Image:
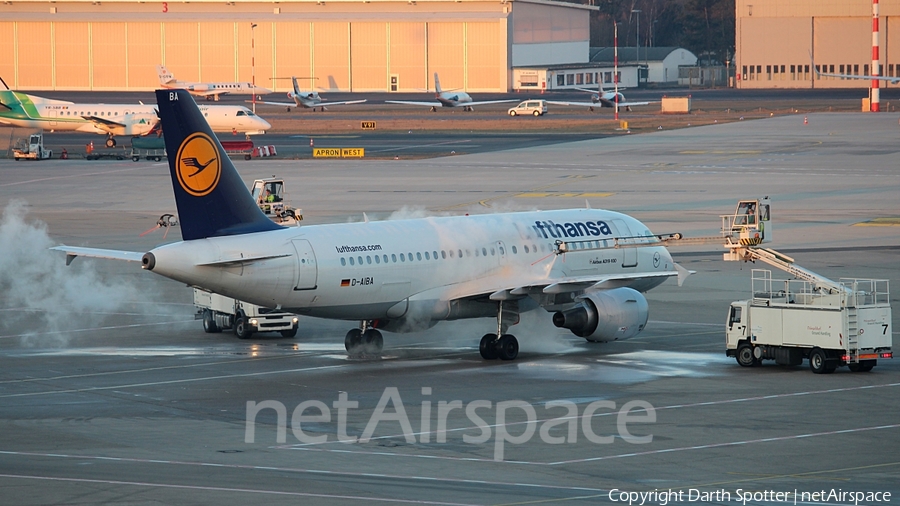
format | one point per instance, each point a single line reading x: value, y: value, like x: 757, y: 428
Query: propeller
x: 165, y: 221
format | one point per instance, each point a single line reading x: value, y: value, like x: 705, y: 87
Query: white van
x: 533, y: 107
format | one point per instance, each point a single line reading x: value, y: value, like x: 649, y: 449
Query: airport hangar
x: 348, y: 46
x: 774, y: 38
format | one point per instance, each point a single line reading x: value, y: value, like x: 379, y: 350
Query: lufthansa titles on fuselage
x: 576, y: 229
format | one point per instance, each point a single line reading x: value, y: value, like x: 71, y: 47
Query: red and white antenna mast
x: 876, y: 70
x: 616, y: 64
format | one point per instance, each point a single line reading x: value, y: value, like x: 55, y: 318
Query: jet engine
x: 199, y: 87
x: 606, y: 315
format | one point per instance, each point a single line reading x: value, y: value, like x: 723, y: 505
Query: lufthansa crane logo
x: 198, y: 167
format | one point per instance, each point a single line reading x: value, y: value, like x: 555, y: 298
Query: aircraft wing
x: 576, y: 285
x: 892, y: 80
x: 283, y: 104
x: 103, y: 123
x: 110, y: 254
x: 408, y: 102
x: 208, y: 93
x: 490, y: 102
x: 576, y: 104
x: 346, y: 102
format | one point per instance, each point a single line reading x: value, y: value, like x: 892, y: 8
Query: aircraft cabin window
x: 468, y: 253
x: 476, y: 253
x: 385, y: 258
x: 501, y: 250
x: 409, y: 255
x: 402, y: 257
x: 368, y: 260
x: 343, y: 261
x: 514, y: 250
x: 428, y: 257
x: 493, y: 253
x: 377, y: 259
x: 526, y: 248
x: 460, y: 254
x: 393, y: 258
x: 444, y: 254
x: 419, y: 256
x: 351, y: 260
x: 434, y: 254
x: 484, y: 251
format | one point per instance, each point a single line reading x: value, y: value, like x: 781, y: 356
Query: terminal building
x: 335, y: 45
x: 774, y: 39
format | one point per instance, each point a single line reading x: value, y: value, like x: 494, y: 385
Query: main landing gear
x: 504, y: 347
x: 365, y: 341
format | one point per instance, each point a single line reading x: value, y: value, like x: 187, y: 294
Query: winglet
x: 682, y: 273
x: 209, y: 193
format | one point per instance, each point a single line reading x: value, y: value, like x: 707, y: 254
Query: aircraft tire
x: 488, y: 347
x: 352, y: 341
x: 373, y: 342
x: 111, y: 142
x: 508, y: 347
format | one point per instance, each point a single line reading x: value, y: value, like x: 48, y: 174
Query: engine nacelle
x: 606, y: 316
x: 199, y: 87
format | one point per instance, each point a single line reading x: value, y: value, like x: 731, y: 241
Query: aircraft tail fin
x: 296, y: 86
x: 437, y: 84
x: 165, y: 77
x: 212, y: 199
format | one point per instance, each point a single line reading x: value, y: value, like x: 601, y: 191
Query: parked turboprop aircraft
x: 448, y: 99
x: 29, y: 111
x: 399, y: 275
x: 23, y: 110
x: 309, y: 99
x: 601, y: 98
x: 167, y: 80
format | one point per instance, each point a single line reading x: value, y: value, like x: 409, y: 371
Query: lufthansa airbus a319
x: 400, y: 275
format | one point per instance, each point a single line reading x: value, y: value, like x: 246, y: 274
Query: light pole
x: 638, y: 40
x: 253, y: 63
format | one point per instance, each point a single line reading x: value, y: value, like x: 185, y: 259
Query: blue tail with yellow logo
x: 212, y: 199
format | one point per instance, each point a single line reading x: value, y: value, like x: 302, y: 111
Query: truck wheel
x: 745, y: 356
x: 241, y: 328
x: 862, y: 366
x: 135, y: 158
x: 818, y: 362
x: 209, y: 323
x: 110, y: 143
x: 289, y: 333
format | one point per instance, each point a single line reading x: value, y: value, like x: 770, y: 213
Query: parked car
x: 533, y: 107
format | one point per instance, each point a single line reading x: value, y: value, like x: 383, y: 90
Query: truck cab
x: 269, y: 195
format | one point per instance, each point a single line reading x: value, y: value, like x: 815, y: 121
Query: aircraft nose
x: 263, y: 124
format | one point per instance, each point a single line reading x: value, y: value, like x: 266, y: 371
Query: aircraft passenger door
x: 307, y: 272
x: 53, y: 115
x: 627, y: 239
x: 501, y: 252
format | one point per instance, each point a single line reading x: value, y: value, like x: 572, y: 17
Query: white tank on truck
x: 790, y: 320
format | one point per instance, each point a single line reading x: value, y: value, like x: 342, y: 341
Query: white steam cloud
x: 41, y: 298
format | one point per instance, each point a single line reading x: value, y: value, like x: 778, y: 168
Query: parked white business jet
x: 399, y: 275
x: 602, y: 98
x: 309, y: 99
x: 890, y: 79
x: 208, y: 90
x: 448, y: 99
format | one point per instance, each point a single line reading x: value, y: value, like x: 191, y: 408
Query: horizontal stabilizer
x: 110, y: 254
